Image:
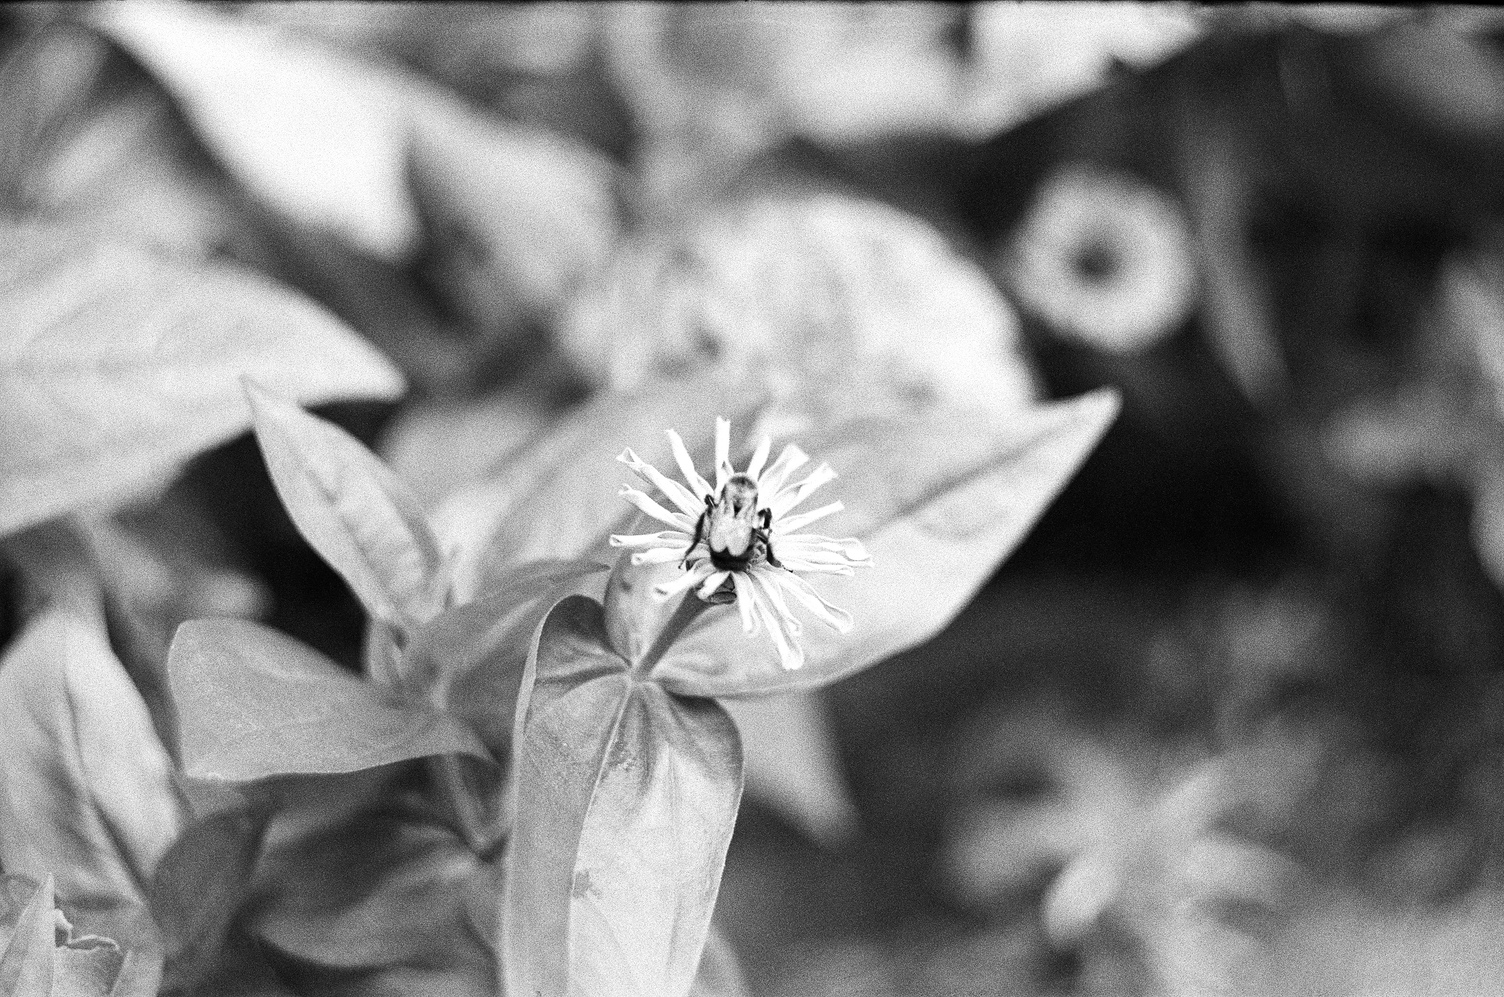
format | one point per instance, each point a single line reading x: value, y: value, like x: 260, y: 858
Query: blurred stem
x: 479, y: 824
x: 689, y: 609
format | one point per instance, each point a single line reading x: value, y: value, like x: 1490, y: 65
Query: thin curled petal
x: 665, y: 538
x: 712, y: 583
x: 838, y: 619
x: 676, y: 493
x: 745, y: 599
x: 774, y: 595
x: 660, y: 555
x: 790, y: 524
x: 722, y: 452
x: 694, y: 576
x: 645, y: 504
x: 815, y: 567
x: 790, y: 652
x: 699, y: 485
x: 847, y: 548
x: 789, y: 461
x: 792, y: 495
x: 759, y: 457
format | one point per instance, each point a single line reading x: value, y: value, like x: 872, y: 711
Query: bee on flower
x: 740, y: 541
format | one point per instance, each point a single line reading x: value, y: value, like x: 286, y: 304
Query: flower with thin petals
x: 1104, y: 259
x: 739, y: 540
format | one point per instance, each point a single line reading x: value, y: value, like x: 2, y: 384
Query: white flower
x: 1104, y: 259
x: 739, y: 540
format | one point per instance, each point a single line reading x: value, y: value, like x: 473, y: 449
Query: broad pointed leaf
x: 353, y: 510
x: 26, y: 968
x: 386, y: 888
x: 626, y: 800
x: 470, y: 659
x: 38, y: 943
x: 86, y: 789
x: 939, y: 502
x: 117, y: 365
x: 255, y: 703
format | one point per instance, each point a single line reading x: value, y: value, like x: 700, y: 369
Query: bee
x: 734, y: 529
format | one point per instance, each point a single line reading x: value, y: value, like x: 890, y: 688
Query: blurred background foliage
x: 1230, y: 721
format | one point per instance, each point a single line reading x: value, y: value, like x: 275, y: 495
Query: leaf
x: 939, y: 501
x: 470, y: 659
x: 557, y: 497
x: 199, y: 886
x: 117, y: 366
x: 793, y: 765
x: 255, y: 703
x: 45, y: 946
x: 516, y: 218
x: 26, y: 968
x: 438, y: 447
x: 86, y: 790
x: 352, y: 510
x: 86, y: 967
x: 384, y: 889
x: 140, y: 976
x: 318, y: 135
x: 89, y: 137
x: 626, y: 799
x: 720, y: 974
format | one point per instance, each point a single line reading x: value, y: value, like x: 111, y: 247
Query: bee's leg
x: 699, y: 534
x: 765, y: 516
x: 767, y: 546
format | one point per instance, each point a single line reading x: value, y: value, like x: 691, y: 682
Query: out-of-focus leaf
x: 353, y: 510
x: 515, y: 218
x: 26, y: 968
x: 116, y: 366
x: 317, y: 134
x: 255, y: 703
x: 1029, y: 59
x: 939, y: 501
x: 1399, y: 65
x: 792, y: 763
x: 161, y: 565
x: 90, y: 138
x: 557, y: 497
x: 242, y: 970
x: 625, y: 804
x: 87, y: 789
x: 384, y: 889
x: 835, y: 302
x: 198, y: 888
x: 437, y: 449
x: 1239, y: 323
